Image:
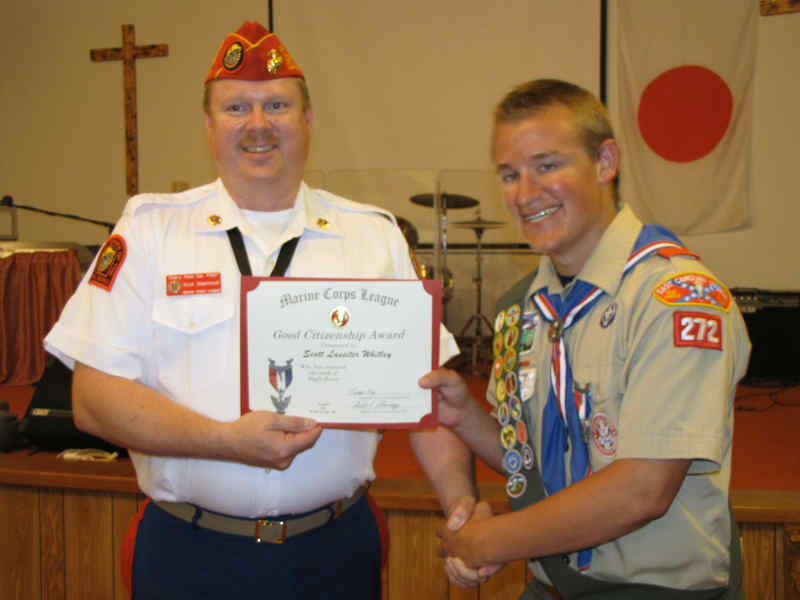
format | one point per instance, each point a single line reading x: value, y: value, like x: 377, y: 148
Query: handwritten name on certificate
x: 344, y: 352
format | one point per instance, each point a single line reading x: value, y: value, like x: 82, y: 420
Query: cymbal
x: 448, y: 200
x: 478, y: 224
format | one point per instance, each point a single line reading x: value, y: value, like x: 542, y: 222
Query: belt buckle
x: 269, y: 524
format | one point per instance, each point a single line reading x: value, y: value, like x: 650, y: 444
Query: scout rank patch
x: 518, y: 455
x: 109, y: 262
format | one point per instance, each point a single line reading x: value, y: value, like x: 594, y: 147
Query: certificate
x: 344, y: 352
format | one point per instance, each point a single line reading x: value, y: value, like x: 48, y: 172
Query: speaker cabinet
x: 773, y: 322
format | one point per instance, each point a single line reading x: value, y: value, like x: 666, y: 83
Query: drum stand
x: 478, y: 319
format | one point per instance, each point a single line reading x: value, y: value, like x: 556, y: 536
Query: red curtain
x: 34, y: 286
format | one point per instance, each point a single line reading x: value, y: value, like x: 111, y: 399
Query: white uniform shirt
x: 187, y: 347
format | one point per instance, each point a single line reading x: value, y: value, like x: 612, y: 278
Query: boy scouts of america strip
x: 109, y: 262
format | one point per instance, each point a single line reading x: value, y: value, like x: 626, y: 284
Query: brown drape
x: 34, y: 286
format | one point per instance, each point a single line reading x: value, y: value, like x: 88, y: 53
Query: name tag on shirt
x: 189, y: 284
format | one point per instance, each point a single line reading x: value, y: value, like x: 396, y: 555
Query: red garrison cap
x: 254, y: 54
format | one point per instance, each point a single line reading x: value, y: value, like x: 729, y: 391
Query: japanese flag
x: 682, y: 107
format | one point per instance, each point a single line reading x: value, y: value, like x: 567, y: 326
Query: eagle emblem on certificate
x: 280, y: 378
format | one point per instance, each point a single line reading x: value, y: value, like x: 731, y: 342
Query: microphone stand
x: 9, y: 201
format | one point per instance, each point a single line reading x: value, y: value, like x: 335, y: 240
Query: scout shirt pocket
x: 596, y: 367
x: 194, y: 342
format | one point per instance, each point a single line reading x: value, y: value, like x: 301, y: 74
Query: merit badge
x: 522, y: 431
x: 512, y: 315
x: 604, y: 435
x: 503, y: 416
x: 608, y: 315
x: 529, y: 322
x: 510, y: 359
x: 497, y: 344
x: 497, y: 367
x: 499, y: 320
x: 693, y: 289
x: 280, y: 378
x: 508, y: 437
x: 512, y: 461
x: 233, y: 56
x: 516, y: 484
x: 516, y: 407
x: 109, y: 262
x: 340, y: 316
x: 511, y: 382
x: 190, y: 284
x: 500, y: 390
x: 511, y: 337
x: 698, y: 329
x: 527, y: 382
x: 274, y: 61
x: 527, y: 456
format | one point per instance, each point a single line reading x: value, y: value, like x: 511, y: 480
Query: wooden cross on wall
x: 128, y: 55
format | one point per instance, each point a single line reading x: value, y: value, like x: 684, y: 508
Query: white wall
x: 401, y: 91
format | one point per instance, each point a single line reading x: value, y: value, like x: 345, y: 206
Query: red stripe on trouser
x: 128, y: 546
x: 383, y: 527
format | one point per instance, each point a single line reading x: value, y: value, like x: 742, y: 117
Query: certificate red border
x: 432, y: 286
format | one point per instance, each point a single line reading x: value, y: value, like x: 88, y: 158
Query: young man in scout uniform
x: 260, y: 505
x: 616, y: 364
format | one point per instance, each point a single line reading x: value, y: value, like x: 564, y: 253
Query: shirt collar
x: 604, y: 267
x: 220, y: 213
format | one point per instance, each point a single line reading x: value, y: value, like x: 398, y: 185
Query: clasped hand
x: 460, y: 543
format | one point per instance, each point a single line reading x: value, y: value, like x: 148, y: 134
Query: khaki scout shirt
x: 653, y: 396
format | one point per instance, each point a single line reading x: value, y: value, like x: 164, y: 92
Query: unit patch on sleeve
x: 693, y: 289
x: 698, y: 329
x: 109, y: 262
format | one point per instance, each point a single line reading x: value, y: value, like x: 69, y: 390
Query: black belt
x: 272, y: 531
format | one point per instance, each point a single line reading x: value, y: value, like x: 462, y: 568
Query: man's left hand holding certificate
x: 344, y: 352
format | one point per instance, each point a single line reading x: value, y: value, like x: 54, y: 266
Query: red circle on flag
x: 684, y: 112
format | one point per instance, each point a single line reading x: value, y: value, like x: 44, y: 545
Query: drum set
x: 472, y: 334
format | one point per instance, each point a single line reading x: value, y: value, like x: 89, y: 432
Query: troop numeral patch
x: 697, y: 329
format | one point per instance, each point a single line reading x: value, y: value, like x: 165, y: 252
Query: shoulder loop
x: 670, y: 252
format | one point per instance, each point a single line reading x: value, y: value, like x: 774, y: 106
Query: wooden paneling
x: 412, y: 557
x: 61, y: 539
x: 790, y: 543
x: 19, y: 550
x: 88, y: 535
x: 758, y: 553
x: 51, y: 542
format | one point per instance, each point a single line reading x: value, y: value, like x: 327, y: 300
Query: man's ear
x: 309, y: 116
x: 608, y: 161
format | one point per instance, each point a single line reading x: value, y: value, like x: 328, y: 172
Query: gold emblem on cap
x: 274, y: 61
x: 324, y: 223
x: 233, y: 56
x: 214, y: 220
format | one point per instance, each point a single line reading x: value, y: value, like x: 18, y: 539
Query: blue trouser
x: 175, y: 560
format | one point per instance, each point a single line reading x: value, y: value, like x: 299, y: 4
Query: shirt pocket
x: 195, y: 343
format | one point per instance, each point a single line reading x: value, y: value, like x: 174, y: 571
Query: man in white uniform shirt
x: 156, y: 369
